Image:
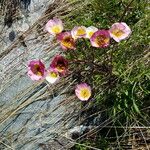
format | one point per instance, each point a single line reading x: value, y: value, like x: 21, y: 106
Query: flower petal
x: 52, y: 76
x: 83, y: 91
x: 66, y: 40
x: 36, y: 70
x: 78, y: 32
x: 54, y: 26
x: 100, y: 39
x: 119, y: 31
x: 59, y: 64
x: 90, y: 31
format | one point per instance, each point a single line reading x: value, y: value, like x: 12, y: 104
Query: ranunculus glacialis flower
x: 78, y: 32
x: 59, y: 64
x: 100, y: 39
x: 119, y: 31
x: 52, y: 76
x: 54, y: 26
x: 90, y: 31
x: 66, y: 40
x: 83, y: 91
x: 36, y: 70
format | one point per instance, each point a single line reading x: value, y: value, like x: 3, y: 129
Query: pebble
x: 12, y: 36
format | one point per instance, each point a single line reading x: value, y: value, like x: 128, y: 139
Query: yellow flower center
x: 56, y: 29
x: 85, y: 93
x: 60, y: 68
x: 67, y: 42
x: 118, y: 33
x: 39, y: 73
x: 90, y: 33
x: 37, y: 70
x: 53, y: 74
x: 80, y: 32
x: 101, y: 40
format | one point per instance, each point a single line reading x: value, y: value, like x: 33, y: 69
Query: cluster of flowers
x: 67, y: 40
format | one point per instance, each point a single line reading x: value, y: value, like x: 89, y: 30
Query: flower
x: 59, y: 64
x: 119, y: 31
x: 100, y: 38
x: 52, y: 76
x: 90, y: 31
x: 78, y: 32
x: 83, y: 91
x: 54, y: 26
x: 66, y: 40
x: 36, y: 70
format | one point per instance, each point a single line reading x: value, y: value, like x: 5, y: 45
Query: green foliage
x: 127, y: 89
x: 89, y: 144
x: 129, y: 64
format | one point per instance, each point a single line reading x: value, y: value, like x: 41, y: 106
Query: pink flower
x: 83, y: 91
x: 59, y: 64
x: 36, y: 70
x: 100, y: 38
x: 119, y: 31
x: 52, y: 76
x: 66, y: 40
x: 78, y: 32
x: 54, y: 26
x: 90, y: 31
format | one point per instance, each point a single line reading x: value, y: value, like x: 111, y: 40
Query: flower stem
x: 125, y: 10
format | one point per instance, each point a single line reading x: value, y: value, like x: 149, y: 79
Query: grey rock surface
x: 32, y: 113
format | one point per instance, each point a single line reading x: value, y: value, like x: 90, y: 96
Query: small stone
x: 12, y: 36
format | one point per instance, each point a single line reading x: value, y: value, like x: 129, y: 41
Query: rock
x: 12, y: 36
x: 31, y: 112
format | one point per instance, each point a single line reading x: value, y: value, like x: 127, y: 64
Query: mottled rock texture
x: 32, y: 114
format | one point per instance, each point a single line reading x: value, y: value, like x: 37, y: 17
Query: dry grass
x: 45, y: 118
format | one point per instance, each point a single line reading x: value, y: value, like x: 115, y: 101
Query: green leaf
x: 136, y: 107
